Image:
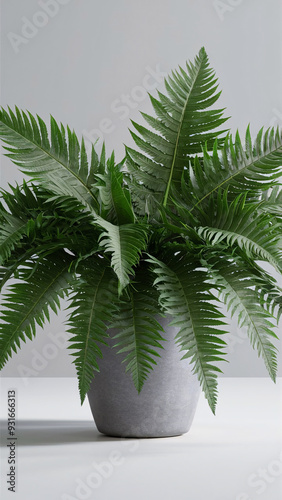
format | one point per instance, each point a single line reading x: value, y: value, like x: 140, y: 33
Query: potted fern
x: 179, y: 226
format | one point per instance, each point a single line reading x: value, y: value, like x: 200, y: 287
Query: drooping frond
x: 125, y: 244
x: 27, y: 303
x: 5, y: 274
x: 185, y: 294
x: 139, y: 331
x: 59, y: 164
x: 236, y: 284
x: 94, y: 303
x: 184, y: 122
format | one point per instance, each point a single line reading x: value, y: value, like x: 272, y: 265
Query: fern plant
x: 180, y: 226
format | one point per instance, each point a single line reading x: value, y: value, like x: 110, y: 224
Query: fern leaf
x: 268, y: 290
x: 125, y: 244
x: 241, y: 225
x: 94, y: 302
x: 59, y: 168
x: 10, y: 235
x: 254, y: 169
x: 236, y: 290
x: 27, y: 303
x: 114, y: 195
x: 48, y: 222
x: 185, y: 294
x: 184, y: 123
x: 272, y: 202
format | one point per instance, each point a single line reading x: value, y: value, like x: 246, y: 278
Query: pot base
x: 166, y: 405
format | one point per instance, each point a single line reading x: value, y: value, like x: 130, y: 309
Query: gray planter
x: 166, y: 404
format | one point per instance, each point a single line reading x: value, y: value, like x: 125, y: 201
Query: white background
x: 80, y: 63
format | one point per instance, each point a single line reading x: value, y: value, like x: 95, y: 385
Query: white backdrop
x: 88, y: 63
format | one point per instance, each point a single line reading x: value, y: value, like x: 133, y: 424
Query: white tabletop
x: 60, y: 455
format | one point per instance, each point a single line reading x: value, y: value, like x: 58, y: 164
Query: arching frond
x: 236, y: 284
x: 93, y: 304
x: 125, y: 244
x: 27, y: 303
x: 185, y: 294
x: 59, y: 163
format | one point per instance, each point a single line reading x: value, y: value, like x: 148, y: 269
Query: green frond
x: 6, y: 272
x: 59, y: 164
x: 144, y: 201
x: 139, y: 337
x: 239, y: 291
x: 239, y: 224
x: 272, y: 202
x: 185, y: 294
x: 49, y: 221
x: 253, y: 169
x: 183, y: 124
x: 94, y: 302
x: 21, y: 219
x: 268, y: 290
x: 125, y: 244
x: 114, y: 195
x: 27, y: 303
x: 10, y: 235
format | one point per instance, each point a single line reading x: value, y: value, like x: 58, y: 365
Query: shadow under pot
x: 166, y: 404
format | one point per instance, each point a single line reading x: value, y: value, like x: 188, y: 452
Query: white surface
x: 236, y: 455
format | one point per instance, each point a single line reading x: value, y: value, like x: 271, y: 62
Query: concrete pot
x: 166, y: 404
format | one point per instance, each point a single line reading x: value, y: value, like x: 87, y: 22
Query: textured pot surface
x: 165, y: 406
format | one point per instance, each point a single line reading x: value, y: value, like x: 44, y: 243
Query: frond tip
x: 58, y: 164
x: 185, y: 120
x: 237, y: 286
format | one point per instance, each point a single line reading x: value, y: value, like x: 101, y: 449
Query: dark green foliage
x: 43, y: 283
x: 236, y: 282
x: 178, y: 227
x: 252, y: 170
x: 55, y: 165
x: 93, y: 305
x: 125, y: 243
x: 140, y: 332
x: 242, y: 226
x: 185, y: 294
x: 184, y: 123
